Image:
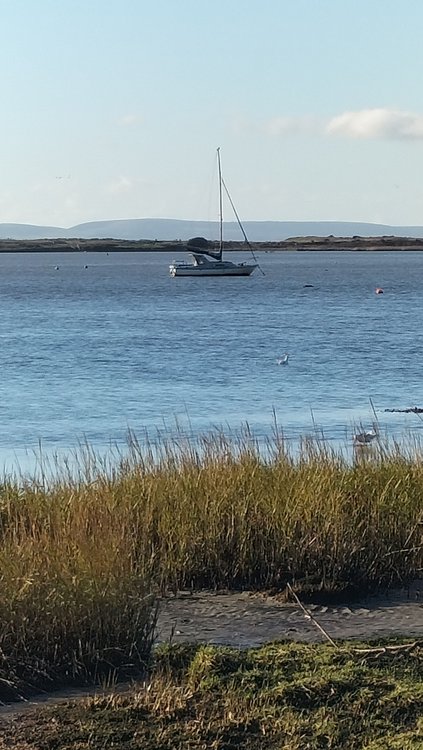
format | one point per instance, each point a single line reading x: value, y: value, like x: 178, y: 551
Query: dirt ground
x: 246, y: 619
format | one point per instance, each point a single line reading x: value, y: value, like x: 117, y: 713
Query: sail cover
x: 203, y: 246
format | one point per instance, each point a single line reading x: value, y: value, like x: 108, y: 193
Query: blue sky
x: 114, y: 109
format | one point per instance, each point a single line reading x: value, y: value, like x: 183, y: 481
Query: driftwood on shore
x: 410, y: 410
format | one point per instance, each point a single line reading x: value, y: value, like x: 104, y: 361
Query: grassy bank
x: 74, y: 604
x: 285, y: 696
x: 82, y: 554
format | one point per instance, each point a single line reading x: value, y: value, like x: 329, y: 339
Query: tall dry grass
x: 74, y: 607
x: 82, y: 552
x: 225, y: 514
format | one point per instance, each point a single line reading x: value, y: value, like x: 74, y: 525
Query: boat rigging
x: 207, y: 261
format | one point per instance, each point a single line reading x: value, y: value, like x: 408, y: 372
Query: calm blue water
x: 87, y: 353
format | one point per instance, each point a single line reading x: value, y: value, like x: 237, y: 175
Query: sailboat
x: 207, y: 260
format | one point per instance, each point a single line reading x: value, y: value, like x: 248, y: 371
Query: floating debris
x: 411, y: 410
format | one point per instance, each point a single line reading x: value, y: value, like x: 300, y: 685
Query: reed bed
x: 84, y: 550
x: 224, y: 513
x: 74, y: 608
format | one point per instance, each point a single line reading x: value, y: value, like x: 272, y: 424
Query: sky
x: 114, y: 109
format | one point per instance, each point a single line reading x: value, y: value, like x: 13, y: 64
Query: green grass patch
x: 290, y: 696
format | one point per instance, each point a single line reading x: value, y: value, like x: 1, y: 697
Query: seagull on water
x: 283, y: 360
x: 364, y: 438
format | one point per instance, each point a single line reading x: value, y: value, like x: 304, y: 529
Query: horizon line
x: 210, y: 221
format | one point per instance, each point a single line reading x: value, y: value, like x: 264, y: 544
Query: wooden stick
x: 379, y: 650
x: 309, y: 616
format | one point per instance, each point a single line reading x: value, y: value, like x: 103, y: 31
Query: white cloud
x: 279, y: 125
x: 241, y: 124
x: 121, y: 184
x: 131, y: 119
x: 286, y: 125
x: 377, y: 123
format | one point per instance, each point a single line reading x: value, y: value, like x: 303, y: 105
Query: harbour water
x: 96, y: 344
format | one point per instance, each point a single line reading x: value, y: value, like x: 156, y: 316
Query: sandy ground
x: 245, y: 619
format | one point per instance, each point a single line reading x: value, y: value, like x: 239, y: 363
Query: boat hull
x: 197, y: 271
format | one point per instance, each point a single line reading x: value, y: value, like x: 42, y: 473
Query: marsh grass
x: 224, y: 513
x: 74, y: 607
x: 285, y: 696
x: 84, y: 549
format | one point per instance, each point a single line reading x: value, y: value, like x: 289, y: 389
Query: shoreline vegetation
x: 299, y: 244
x: 86, y: 552
x: 281, y: 696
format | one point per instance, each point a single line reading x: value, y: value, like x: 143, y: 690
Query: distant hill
x: 180, y: 229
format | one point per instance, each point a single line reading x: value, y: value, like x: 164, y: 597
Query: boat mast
x: 220, y: 205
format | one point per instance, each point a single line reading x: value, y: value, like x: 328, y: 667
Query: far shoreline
x: 293, y: 244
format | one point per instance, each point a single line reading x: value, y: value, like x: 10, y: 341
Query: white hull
x: 192, y: 270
